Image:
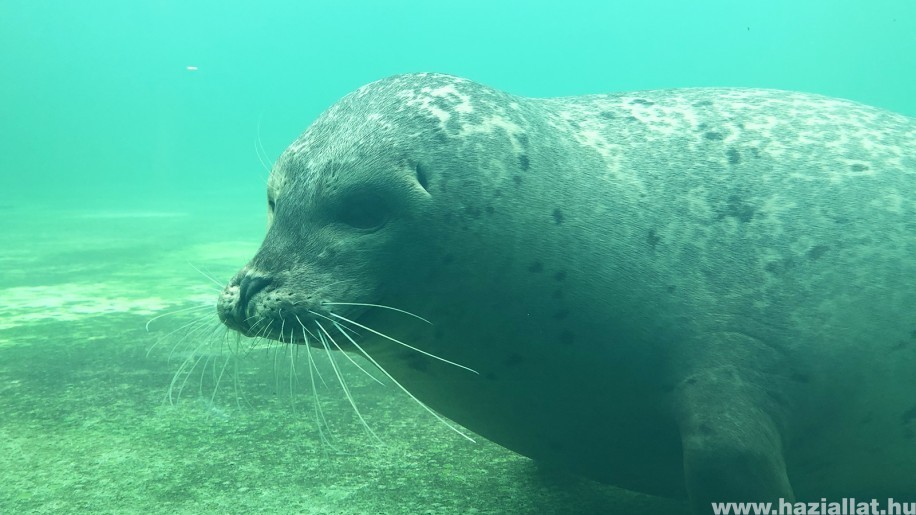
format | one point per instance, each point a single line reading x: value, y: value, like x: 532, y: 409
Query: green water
x: 129, y: 173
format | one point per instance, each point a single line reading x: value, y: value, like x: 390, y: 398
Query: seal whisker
x: 219, y: 378
x: 186, y: 372
x: 320, y: 419
x: 354, y: 332
x: 308, y: 349
x: 293, y: 352
x: 252, y: 327
x: 307, y: 331
x: 259, y: 336
x: 259, y: 148
x: 236, y: 385
x: 263, y: 332
x: 340, y: 378
x: 208, y: 359
x: 208, y: 276
x: 399, y: 385
x: 282, y: 340
x: 335, y: 283
x: 199, y: 326
x: 193, y: 324
x: 377, y: 306
x: 421, y: 351
x: 184, y: 310
x: 264, y: 338
x: 345, y: 354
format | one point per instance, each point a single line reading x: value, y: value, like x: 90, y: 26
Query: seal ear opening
x: 422, y: 178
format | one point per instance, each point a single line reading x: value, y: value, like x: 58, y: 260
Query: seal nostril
x: 249, y: 287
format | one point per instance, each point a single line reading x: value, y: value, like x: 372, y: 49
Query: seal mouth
x: 257, y: 306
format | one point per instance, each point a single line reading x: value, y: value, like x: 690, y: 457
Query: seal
x: 702, y: 293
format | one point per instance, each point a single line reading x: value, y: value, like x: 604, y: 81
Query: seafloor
x: 98, y: 414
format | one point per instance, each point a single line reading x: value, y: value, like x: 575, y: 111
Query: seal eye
x: 364, y: 211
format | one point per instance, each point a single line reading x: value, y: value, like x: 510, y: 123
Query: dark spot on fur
x: 652, y: 239
x: 513, y: 360
x: 442, y: 104
x: 705, y: 429
x: 702, y: 126
x: 755, y: 152
x: 714, y: 136
x: 522, y: 140
x: 671, y: 288
x: 738, y: 208
x: 800, y: 378
x: 557, y: 294
x: 489, y: 210
x: 536, y: 267
x: 632, y: 118
x: 733, y: 156
x: 417, y: 362
x: 432, y: 274
x: 913, y: 334
x: 900, y: 345
x: 574, y: 124
x: 815, y: 252
x: 703, y: 103
x: 740, y: 125
x: 779, y: 267
x: 517, y: 179
x: 567, y: 337
x: 472, y: 211
x: 692, y: 380
x: 607, y: 115
x: 560, y: 315
x: 777, y: 398
x: 909, y: 415
x: 523, y: 162
x: 448, y: 258
x: 642, y: 101
x: 559, y: 276
x: 557, y: 216
x: 859, y: 167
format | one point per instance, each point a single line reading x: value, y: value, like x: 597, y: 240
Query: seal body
x: 699, y: 292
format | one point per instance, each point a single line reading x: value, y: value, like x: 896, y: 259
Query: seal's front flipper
x: 732, y: 446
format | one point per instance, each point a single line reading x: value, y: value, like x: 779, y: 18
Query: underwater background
x: 135, y: 138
